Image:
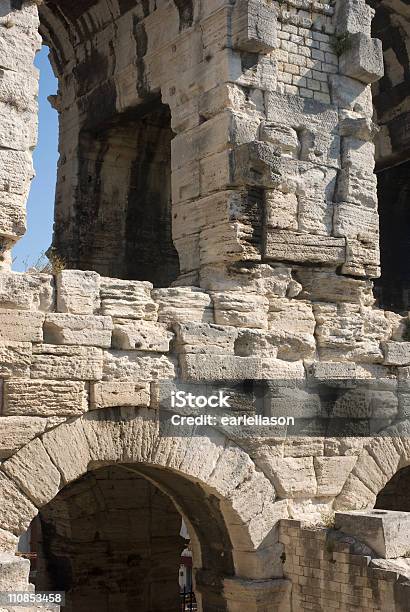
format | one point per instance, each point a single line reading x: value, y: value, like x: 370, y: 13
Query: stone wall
x: 332, y: 571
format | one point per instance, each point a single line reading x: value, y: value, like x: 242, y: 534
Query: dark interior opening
x: 396, y: 493
x: 393, y: 287
x: 122, y: 226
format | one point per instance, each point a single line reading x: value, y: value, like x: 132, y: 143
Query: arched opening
x: 391, y: 98
x: 113, y: 194
x: 30, y: 249
x: 395, y: 495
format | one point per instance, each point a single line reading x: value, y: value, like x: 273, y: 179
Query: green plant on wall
x: 340, y: 43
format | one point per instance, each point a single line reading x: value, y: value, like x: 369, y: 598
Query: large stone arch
x: 379, y: 461
x: 210, y: 467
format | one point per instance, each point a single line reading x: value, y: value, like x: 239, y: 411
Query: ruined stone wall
x: 332, y: 571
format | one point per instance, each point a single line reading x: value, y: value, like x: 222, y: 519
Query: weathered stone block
x: 281, y: 210
x: 292, y: 477
x: 283, y: 137
x: 33, y: 471
x: 134, y: 366
x: 363, y: 59
x: 387, y: 532
x: 107, y: 394
x: 15, y: 359
x: 17, y: 510
x: 397, y: 353
x: 229, y: 242
x: 78, y: 292
x: 203, y: 338
x: 241, y: 309
x: 86, y: 330
x: 350, y: 94
x: 127, y: 299
x: 304, y: 248
x: 331, y: 473
x: 255, y: 343
x: 353, y: 16
x: 44, y: 398
x: 254, y: 25
x: 21, y: 326
x: 182, y: 304
x: 14, y: 573
x: 26, y: 291
x: 8, y: 542
x: 218, y: 367
x: 324, y: 286
x: 357, y: 222
x: 292, y: 324
x: 66, y: 362
x: 141, y: 336
x: 16, y: 431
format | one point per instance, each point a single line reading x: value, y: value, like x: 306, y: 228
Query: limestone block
x: 68, y: 448
x: 387, y: 532
x: 298, y: 112
x: 292, y: 477
x: 26, y: 291
x: 281, y: 210
x: 229, y: 242
x: 44, y: 398
x: 17, y: 52
x: 16, y: 172
x: 86, y: 330
x: 257, y: 595
x: 35, y: 474
x: 362, y: 258
x: 256, y: 343
x: 284, y: 138
x: 304, y: 248
x: 131, y: 334
x: 354, y: 16
x: 19, y: 91
x: 397, y: 353
x: 363, y: 59
x: 203, y: 338
x: 358, y: 154
x: 66, y: 362
x: 18, y: 128
x: 271, y: 280
x: 357, y: 222
x: 16, y: 431
x: 134, y: 366
x: 127, y: 299
x: 357, y: 187
x: 241, y: 309
x: 315, y: 215
x: 218, y: 367
x: 331, y: 473
x: 182, y: 304
x: 350, y: 94
x: 8, y: 542
x: 319, y: 147
x: 214, y: 210
x: 21, y: 326
x: 347, y: 331
x: 14, y: 573
x: 78, y: 292
x: 353, y: 124
x: 15, y: 360
x: 12, y: 215
x: 324, y: 286
x: 253, y: 164
x: 253, y: 26
x: 17, y: 511
x: 108, y: 394
x: 292, y: 324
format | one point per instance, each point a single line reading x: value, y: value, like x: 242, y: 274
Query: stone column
x: 19, y: 42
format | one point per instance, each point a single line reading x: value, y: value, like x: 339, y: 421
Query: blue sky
x: 40, y: 206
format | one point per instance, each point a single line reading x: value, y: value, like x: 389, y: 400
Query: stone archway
x: 379, y: 461
x: 208, y: 476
